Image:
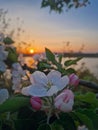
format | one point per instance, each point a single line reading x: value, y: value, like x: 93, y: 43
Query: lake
x: 90, y: 63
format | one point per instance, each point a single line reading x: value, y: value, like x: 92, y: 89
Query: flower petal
x: 54, y: 76
x: 2, y: 66
x: 34, y: 90
x: 62, y: 82
x: 3, y: 95
x: 39, y: 77
x: 25, y: 90
x: 52, y: 90
x: 67, y: 107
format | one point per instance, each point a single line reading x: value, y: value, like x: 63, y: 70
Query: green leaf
x: 25, y: 124
x: 50, y: 56
x: 60, y: 58
x: 12, y: 56
x: 44, y: 127
x: 67, y: 122
x: 85, y: 120
x: 69, y: 62
x: 89, y: 97
x: 55, y: 126
x: 8, y: 40
x: 92, y: 115
x: 70, y: 70
x: 42, y: 65
x: 14, y: 103
x: 72, y: 62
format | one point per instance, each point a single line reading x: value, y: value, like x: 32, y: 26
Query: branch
x: 89, y: 84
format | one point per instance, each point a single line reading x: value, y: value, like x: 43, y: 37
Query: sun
x: 31, y: 51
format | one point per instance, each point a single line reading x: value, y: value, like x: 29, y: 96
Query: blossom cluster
x: 51, y: 91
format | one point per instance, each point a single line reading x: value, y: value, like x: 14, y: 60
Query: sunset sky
x: 53, y: 30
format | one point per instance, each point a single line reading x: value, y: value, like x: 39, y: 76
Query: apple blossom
x: 3, y: 95
x: 82, y: 127
x: 2, y: 66
x: 3, y: 56
x: 17, y: 73
x: 64, y: 101
x: 38, y: 57
x: 45, y: 85
x: 36, y: 103
x: 73, y: 79
x: 3, y: 53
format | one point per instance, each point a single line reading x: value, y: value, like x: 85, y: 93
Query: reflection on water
x: 29, y: 61
x: 90, y: 63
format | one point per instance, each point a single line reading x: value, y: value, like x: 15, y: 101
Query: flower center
x: 49, y: 84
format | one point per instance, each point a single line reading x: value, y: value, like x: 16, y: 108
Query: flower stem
x: 48, y: 116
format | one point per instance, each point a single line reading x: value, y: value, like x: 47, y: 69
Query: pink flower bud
x: 73, y: 79
x: 36, y: 103
x: 64, y: 101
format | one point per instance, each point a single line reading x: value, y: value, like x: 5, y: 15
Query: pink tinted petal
x: 58, y: 103
x: 74, y: 80
x: 39, y: 77
x: 69, y: 94
x: 67, y: 107
x: 60, y: 96
x: 54, y: 76
x: 36, y: 103
x: 64, y: 101
x: 62, y: 82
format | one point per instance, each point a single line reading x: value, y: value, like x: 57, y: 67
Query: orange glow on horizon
x: 31, y: 51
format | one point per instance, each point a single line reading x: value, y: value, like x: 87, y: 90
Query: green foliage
x: 55, y: 126
x: 86, y: 116
x: 89, y: 98
x: 8, y: 41
x: 12, y: 56
x: 44, y: 127
x: 60, y: 5
x: 85, y: 120
x: 42, y: 65
x: 66, y: 121
x: 56, y: 63
x: 14, y: 104
x: 93, y: 116
x: 50, y: 56
x: 72, y: 62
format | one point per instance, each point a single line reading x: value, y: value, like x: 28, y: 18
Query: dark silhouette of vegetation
x: 60, y: 5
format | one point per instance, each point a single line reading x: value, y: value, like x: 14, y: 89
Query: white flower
x: 17, y: 73
x: 64, y: 101
x: 2, y: 66
x: 21, y: 59
x: 17, y: 67
x: 39, y: 57
x: 82, y: 127
x: 3, y: 53
x: 43, y: 85
x: 3, y: 95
